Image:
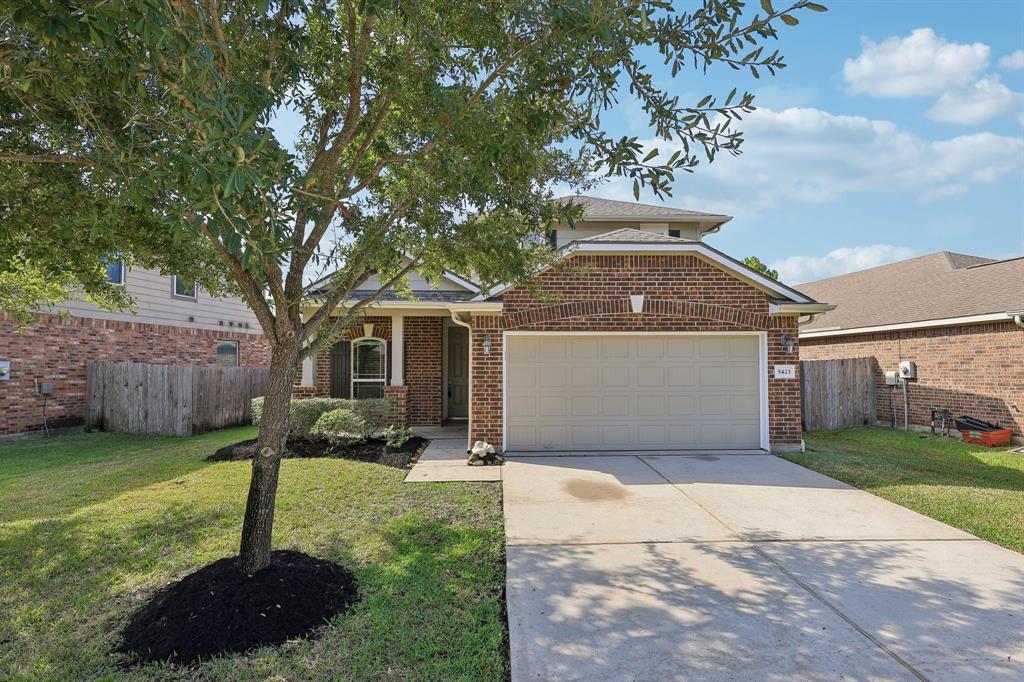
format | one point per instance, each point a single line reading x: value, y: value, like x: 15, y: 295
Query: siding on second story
x: 156, y: 303
x: 584, y: 230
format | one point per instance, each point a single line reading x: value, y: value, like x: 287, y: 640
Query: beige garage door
x: 635, y: 392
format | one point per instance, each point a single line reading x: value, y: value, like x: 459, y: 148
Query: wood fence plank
x: 170, y: 400
x: 837, y: 393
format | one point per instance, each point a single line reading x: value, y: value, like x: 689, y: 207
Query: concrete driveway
x: 744, y: 567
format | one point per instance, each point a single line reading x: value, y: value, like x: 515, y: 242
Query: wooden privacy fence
x: 837, y: 393
x: 169, y: 400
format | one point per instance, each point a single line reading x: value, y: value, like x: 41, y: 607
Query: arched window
x: 369, y: 367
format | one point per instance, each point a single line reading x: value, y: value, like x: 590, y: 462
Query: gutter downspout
x: 469, y: 422
x: 1018, y: 319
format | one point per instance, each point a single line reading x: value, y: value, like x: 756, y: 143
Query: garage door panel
x: 553, y: 405
x: 524, y: 379
x: 550, y: 377
x: 650, y: 376
x: 651, y: 405
x: 617, y: 406
x: 585, y: 406
x: 615, y: 347
x: 615, y: 376
x: 632, y: 392
x: 681, y: 376
x: 585, y: 376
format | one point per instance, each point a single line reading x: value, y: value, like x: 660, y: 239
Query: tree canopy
x: 425, y: 128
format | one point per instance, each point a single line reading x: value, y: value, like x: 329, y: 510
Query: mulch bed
x: 218, y: 610
x: 374, y: 450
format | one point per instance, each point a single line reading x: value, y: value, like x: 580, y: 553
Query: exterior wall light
x: 487, y: 344
x: 787, y: 343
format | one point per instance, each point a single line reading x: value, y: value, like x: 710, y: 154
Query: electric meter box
x: 908, y: 370
x: 892, y: 378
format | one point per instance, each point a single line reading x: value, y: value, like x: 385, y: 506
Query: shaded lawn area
x: 91, y: 524
x: 977, y: 489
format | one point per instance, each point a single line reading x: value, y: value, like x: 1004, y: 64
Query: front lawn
x: 977, y: 489
x: 91, y: 524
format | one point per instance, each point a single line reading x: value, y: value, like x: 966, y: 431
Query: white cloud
x: 986, y: 99
x: 809, y: 156
x: 799, y: 269
x: 919, y: 64
x: 1012, y: 61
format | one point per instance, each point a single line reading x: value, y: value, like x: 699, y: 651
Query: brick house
x: 174, y: 322
x: 958, y: 317
x: 642, y: 337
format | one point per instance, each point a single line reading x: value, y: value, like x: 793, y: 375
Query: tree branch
x: 250, y: 289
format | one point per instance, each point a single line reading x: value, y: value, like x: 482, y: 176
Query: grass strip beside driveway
x: 91, y: 524
x: 977, y: 489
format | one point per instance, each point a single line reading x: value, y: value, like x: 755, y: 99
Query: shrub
x: 397, y: 436
x: 376, y: 413
x: 305, y: 412
x: 340, y: 427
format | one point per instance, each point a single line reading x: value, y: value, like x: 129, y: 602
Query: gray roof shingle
x: 595, y: 208
x: 933, y: 287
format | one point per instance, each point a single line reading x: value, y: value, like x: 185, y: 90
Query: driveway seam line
x: 807, y: 588
x: 871, y: 638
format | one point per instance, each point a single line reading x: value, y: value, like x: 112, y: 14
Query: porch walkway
x: 445, y: 458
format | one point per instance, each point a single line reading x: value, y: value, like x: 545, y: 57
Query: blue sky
x: 895, y: 131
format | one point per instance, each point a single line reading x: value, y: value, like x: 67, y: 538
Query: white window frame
x: 383, y: 380
x: 107, y: 262
x: 174, y: 289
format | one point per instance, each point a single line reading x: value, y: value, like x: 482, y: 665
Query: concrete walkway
x: 744, y: 567
x: 445, y: 458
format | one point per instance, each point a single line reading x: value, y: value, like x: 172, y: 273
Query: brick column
x: 400, y: 394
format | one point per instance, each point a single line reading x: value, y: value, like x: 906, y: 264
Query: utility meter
x: 892, y: 378
x: 908, y: 370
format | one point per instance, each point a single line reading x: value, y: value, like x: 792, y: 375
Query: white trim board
x: 923, y: 324
x: 762, y: 371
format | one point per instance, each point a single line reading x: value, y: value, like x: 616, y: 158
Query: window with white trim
x: 369, y: 367
x: 184, y: 288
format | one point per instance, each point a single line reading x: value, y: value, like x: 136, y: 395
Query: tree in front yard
x: 433, y: 129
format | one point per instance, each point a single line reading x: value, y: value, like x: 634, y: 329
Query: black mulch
x: 374, y: 450
x: 218, y: 610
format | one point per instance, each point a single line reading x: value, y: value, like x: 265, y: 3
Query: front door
x: 458, y: 372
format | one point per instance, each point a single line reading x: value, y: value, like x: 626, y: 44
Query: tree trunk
x: 258, y: 525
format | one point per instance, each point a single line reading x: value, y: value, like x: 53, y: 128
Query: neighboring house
x: 958, y: 317
x: 639, y: 339
x: 175, y: 322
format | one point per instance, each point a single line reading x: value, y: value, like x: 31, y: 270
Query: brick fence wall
x: 56, y: 350
x: 976, y: 370
x: 591, y: 293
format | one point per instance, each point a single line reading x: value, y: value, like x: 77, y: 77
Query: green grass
x: 91, y: 524
x: 977, y: 489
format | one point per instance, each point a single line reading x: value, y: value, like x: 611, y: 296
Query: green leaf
x: 789, y: 20
x: 766, y: 5
x: 815, y: 7
x: 636, y: 189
